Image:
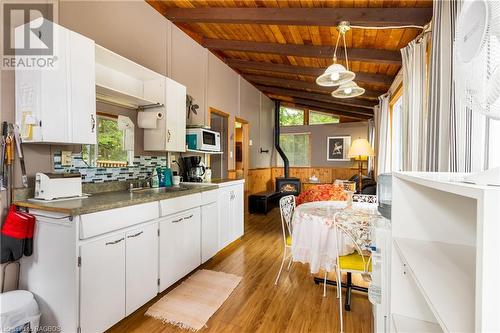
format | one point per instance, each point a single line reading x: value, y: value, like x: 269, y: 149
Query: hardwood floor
x: 257, y: 305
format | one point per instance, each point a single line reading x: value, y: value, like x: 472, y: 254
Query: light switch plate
x: 66, y: 158
x: 250, y: 142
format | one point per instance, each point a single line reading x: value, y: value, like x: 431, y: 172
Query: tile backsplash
x: 142, y: 167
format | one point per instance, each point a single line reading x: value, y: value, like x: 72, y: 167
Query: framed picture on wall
x: 337, y: 148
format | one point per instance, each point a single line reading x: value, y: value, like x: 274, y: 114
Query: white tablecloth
x: 313, y: 239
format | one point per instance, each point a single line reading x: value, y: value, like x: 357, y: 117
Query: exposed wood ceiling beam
x: 300, y: 50
x: 354, y: 102
x: 350, y: 109
x: 300, y: 70
x: 381, y: 17
x: 326, y: 110
x: 298, y: 84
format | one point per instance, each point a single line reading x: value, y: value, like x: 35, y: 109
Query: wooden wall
x: 262, y: 179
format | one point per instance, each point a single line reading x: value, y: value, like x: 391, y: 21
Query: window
x: 297, y: 148
x: 291, y: 117
x: 397, y: 144
x: 320, y: 118
x: 494, y: 139
x: 109, y: 149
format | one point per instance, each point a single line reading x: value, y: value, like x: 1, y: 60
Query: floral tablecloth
x: 313, y: 239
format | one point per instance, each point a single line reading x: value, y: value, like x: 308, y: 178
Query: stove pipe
x: 286, y: 163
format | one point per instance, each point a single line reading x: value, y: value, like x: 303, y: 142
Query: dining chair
x: 364, y: 199
x: 357, y: 227
x: 287, y: 208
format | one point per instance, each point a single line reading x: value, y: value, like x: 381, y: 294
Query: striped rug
x: 191, y: 304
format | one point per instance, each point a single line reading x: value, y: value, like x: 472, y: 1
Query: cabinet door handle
x: 178, y: 220
x: 187, y: 217
x: 168, y: 135
x: 92, y: 121
x: 135, y: 235
x: 115, y: 242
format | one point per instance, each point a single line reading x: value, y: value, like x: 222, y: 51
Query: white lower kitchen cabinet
x: 141, y: 278
x: 180, y: 247
x: 209, y: 231
x: 90, y: 271
x: 231, y: 214
x: 102, y: 283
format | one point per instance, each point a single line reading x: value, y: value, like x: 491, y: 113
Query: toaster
x: 50, y: 186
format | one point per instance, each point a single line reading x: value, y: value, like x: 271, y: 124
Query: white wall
x: 188, y: 64
x: 137, y: 31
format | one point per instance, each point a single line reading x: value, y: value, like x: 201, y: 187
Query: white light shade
x: 347, y: 90
x: 360, y: 147
x: 335, y: 75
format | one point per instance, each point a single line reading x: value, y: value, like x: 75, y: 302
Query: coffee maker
x: 193, y: 169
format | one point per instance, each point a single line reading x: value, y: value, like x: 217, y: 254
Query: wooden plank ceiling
x: 281, y: 46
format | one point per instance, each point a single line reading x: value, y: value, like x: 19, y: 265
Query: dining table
x: 313, y: 233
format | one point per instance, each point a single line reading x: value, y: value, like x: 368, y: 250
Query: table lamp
x: 360, y: 150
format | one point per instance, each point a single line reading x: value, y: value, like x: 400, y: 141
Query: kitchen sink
x: 149, y: 190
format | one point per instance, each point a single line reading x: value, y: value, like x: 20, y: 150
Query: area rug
x: 191, y: 304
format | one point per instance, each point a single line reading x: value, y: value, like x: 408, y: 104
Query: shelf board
x: 204, y: 152
x: 445, y: 274
x: 107, y: 94
x: 405, y: 324
x: 447, y: 182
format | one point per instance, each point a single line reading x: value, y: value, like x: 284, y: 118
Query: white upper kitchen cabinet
x: 57, y: 104
x: 170, y: 133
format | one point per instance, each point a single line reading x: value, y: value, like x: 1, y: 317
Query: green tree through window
x: 291, y: 117
x: 319, y: 118
x: 109, y: 143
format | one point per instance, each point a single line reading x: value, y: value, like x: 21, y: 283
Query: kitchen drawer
x: 179, y: 204
x: 209, y: 197
x: 98, y: 223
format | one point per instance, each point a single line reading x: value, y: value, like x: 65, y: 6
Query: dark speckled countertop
x: 109, y: 200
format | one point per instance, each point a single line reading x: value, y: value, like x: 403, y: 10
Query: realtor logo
x: 28, y: 36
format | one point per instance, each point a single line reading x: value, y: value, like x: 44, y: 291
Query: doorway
x: 219, y: 122
x: 242, y: 153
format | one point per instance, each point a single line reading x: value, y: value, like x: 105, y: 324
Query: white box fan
x: 477, y: 67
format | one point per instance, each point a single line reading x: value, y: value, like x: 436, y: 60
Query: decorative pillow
x: 326, y: 192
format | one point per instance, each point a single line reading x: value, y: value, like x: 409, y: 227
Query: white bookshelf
x: 403, y: 324
x: 444, y: 267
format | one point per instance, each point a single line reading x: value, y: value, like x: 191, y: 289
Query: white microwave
x: 205, y: 139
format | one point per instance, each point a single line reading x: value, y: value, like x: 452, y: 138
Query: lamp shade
x: 348, y: 90
x: 360, y: 147
x: 335, y: 75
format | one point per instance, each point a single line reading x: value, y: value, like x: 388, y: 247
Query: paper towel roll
x: 147, y: 119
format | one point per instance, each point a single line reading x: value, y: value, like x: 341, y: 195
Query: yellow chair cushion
x: 289, y: 240
x: 354, y: 262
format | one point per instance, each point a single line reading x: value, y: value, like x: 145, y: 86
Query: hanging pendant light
x: 348, y: 90
x: 336, y: 74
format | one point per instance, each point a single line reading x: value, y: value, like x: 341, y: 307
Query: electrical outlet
x: 66, y: 158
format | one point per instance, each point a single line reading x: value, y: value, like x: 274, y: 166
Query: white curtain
x: 414, y: 115
x: 383, y: 148
x: 441, y: 92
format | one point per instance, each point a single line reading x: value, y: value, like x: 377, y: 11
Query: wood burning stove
x: 285, y: 185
